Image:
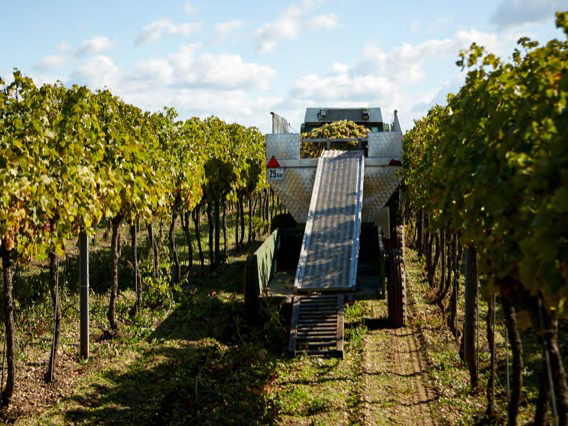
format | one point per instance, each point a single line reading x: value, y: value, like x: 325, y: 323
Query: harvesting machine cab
x: 341, y: 237
x: 371, y: 118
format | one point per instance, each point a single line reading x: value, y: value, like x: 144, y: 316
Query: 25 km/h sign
x: 275, y: 172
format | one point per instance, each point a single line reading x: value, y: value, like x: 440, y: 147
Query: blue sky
x: 240, y: 60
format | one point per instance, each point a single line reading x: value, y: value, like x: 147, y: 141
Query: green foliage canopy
x: 493, y: 163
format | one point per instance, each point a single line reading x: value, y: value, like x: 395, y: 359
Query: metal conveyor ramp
x: 317, y: 325
x: 330, y: 249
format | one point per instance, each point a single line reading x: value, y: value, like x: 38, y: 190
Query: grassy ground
x: 448, y: 372
x: 191, y: 359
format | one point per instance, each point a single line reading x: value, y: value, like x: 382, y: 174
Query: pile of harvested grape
x: 342, y: 129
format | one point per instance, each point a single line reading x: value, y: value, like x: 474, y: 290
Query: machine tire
x: 396, y: 285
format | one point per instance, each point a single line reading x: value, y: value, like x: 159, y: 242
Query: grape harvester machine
x: 341, y: 237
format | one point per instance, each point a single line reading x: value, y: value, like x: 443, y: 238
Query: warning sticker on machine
x: 273, y: 163
x: 276, y: 174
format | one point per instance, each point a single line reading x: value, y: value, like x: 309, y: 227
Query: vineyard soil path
x: 397, y: 388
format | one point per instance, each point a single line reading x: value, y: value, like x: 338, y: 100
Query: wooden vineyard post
x: 252, y: 286
x: 469, y: 328
x: 84, y: 286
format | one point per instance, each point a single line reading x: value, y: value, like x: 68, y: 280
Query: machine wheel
x: 396, y: 284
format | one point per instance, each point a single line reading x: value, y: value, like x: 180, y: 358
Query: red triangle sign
x: 273, y: 164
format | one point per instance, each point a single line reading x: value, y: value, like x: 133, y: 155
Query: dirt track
x: 397, y: 387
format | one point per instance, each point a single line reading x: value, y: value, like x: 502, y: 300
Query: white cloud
x: 185, y: 69
x: 92, y: 46
x: 225, y: 29
x: 189, y: 8
x: 155, y: 30
x: 194, y: 83
x: 40, y: 78
x: 310, y: 5
x: 338, y: 68
x: 97, y: 73
x: 323, y: 22
x: 50, y: 61
x: 341, y: 86
x: 393, y: 78
x: 152, y: 71
x: 404, y: 64
x: 464, y: 38
x: 64, y: 46
x: 511, y: 13
x: 287, y: 27
x: 184, y: 57
x: 95, y: 45
x: 229, y: 105
x: 439, y: 96
x: 184, y: 29
x: 228, y: 71
x: 292, y: 23
x: 415, y: 26
x: 220, y: 71
x: 500, y: 44
x: 440, y: 24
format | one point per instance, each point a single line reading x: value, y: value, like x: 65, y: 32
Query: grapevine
x: 71, y: 159
x: 491, y: 168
